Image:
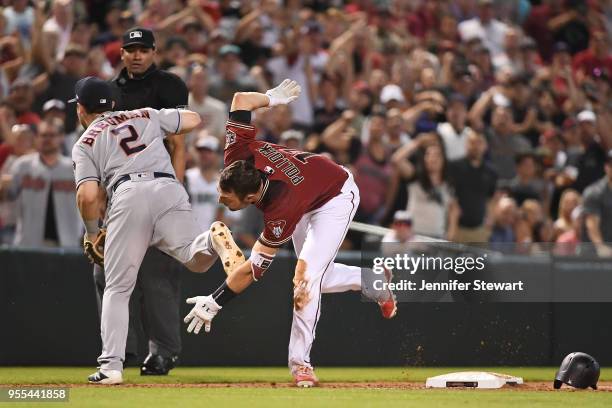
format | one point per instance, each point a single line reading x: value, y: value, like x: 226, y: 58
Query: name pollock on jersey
x: 91, y: 135
x: 282, y: 163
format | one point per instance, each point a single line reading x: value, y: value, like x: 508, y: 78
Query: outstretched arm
x: 245, y: 274
x: 189, y: 121
x: 206, y: 307
x: 285, y: 93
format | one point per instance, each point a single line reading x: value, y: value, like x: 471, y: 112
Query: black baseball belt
x: 127, y: 177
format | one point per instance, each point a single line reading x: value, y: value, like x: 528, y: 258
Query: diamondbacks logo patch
x: 277, y: 227
x: 230, y: 138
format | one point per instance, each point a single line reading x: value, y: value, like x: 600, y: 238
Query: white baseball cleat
x: 108, y: 377
x: 229, y: 252
x: 304, y: 377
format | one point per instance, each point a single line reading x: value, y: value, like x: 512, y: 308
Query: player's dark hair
x: 241, y: 178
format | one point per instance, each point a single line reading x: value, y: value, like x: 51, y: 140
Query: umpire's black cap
x: 138, y: 36
x: 94, y: 94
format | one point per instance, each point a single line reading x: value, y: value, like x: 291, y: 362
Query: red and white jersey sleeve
x: 282, y: 212
x: 296, y: 182
x: 238, y: 139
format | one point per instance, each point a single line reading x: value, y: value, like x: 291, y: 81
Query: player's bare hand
x: 287, y: 92
x: 300, y: 294
x: 204, y: 310
x: 93, y: 246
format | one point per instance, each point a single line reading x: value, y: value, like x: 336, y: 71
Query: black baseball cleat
x: 107, y: 377
x: 156, y: 364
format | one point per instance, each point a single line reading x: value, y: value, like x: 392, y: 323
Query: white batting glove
x: 287, y: 92
x: 205, y: 309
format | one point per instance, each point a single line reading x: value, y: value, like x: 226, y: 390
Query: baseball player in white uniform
x: 305, y: 198
x: 123, y: 152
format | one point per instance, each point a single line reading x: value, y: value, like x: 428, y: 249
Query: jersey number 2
x: 124, y: 141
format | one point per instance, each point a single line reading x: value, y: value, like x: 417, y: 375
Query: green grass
x: 295, y: 398
x: 198, y: 375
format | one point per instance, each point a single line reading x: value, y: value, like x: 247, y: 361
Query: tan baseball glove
x: 94, y: 250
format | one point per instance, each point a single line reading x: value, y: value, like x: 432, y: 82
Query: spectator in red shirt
x: 425, y: 19
x: 536, y: 26
x: 595, y: 57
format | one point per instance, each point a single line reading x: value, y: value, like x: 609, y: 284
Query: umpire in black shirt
x: 141, y: 84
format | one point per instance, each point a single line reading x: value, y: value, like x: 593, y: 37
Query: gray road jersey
x: 30, y: 185
x: 124, y: 142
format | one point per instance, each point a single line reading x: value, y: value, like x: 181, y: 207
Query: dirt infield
x: 529, y: 386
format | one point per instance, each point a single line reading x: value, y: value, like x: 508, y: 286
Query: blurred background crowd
x: 466, y: 120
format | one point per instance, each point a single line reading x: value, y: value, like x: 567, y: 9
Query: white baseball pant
x: 316, y: 239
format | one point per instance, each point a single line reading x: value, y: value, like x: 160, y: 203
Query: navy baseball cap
x: 94, y: 94
x: 138, y: 36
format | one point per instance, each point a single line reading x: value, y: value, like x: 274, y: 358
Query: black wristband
x: 242, y: 116
x: 223, y: 294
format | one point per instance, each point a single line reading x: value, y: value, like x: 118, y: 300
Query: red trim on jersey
x: 271, y: 244
x: 240, y: 125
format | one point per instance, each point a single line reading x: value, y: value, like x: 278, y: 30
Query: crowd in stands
x: 466, y: 120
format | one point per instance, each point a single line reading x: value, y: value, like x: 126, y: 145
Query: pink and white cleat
x: 388, y: 307
x: 304, y: 377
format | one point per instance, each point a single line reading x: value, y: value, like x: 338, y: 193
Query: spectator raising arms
x: 515, y: 94
x: 430, y: 198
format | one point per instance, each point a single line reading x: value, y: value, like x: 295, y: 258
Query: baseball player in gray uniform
x: 124, y: 152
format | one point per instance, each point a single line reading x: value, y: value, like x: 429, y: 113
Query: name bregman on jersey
x: 90, y: 137
x: 281, y: 162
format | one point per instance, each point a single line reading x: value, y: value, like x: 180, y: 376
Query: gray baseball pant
x: 141, y: 214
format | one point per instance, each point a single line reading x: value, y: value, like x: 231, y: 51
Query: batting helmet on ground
x: 578, y: 370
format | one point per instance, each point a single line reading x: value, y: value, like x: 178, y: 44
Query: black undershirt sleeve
x: 241, y: 116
